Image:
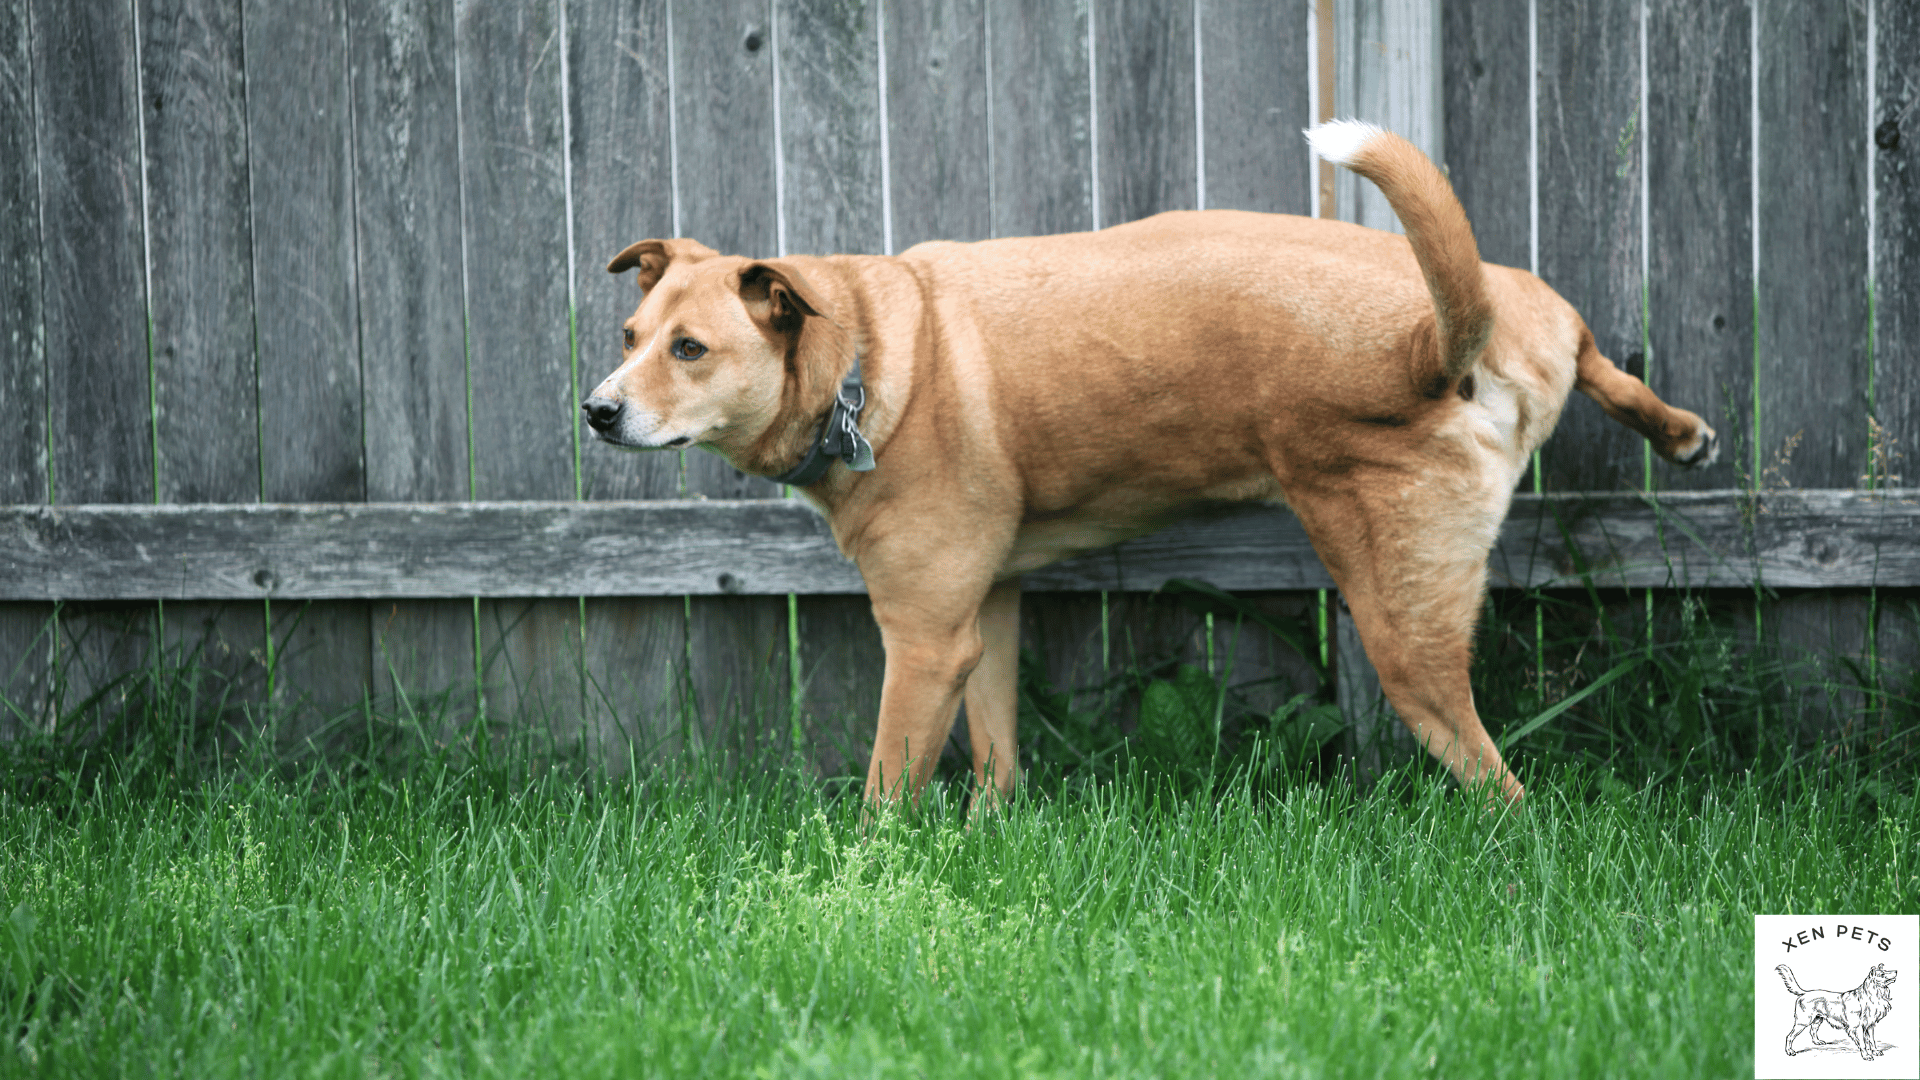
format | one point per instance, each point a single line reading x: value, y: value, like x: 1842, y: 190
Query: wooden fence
x: 345, y: 254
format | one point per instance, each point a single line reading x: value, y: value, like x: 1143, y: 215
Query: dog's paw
x: 1703, y: 455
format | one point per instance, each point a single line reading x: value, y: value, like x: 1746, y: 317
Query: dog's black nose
x: 601, y: 412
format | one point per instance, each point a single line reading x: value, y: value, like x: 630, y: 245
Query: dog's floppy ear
x: 654, y: 256
x: 776, y: 292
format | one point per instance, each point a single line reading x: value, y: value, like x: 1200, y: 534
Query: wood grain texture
x: 1042, y: 152
x: 1253, y: 81
x: 759, y: 547
x: 1145, y: 110
x: 1896, y: 239
x: 304, y: 282
x: 407, y: 199
x: 200, y: 242
x: 93, y: 267
x: 26, y: 658
x: 633, y: 649
x: 1485, y: 73
x: 1814, y: 370
x: 1590, y: 245
x: 1387, y: 57
x: 1700, y: 208
x: 621, y: 152
x: 1813, y: 365
x: 523, y: 416
x: 937, y: 128
x: 99, y: 410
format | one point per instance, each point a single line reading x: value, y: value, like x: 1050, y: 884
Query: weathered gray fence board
x: 100, y: 428
x: 200, y: 243
x: 1792, y: 539
x: 301, y: 157
x: 200, y: 248
x: 1699, y: 209
x: 94, y: 287
x: 621, y: 149
x: 1590, y: 242
x: 1144, y: 112
x: 407, y: 203
x: 1896, y: 253
x: 1813, y: 365
x: 26, y: 658
x: 937, y: 128
x: 1387, y: 55
x: 1253, y: 85
x: 1042, y: 168
x: 1896, y: 346
x: 1485, y: 75
x: 524, y: 414
x: 1812, y: 213
x: 724, y: 56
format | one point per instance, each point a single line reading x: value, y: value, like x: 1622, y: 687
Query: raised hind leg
x: 1410, y: 559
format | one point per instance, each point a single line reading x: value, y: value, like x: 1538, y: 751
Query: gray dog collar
x: 839, y: 436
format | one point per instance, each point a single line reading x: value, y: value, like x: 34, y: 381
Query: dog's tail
x: 1437, y: 228
x: 1793, y: 984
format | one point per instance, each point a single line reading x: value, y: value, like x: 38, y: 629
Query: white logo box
x: 1831, y: 958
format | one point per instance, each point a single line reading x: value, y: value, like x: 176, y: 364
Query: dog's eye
x: 688, y: 349
x: 626, y: 335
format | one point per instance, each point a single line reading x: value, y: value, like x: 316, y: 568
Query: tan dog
x: 1856, y: 1012
x: 1031, y: 399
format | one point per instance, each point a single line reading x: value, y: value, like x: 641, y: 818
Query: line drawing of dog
x: 1854, y: 1011
x: 1024, y: 400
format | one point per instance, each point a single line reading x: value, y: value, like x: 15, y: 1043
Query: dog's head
x: 723, y: 352
x: 1881, y: 974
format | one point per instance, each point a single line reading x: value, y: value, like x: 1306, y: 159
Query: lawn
x: 451, y: 920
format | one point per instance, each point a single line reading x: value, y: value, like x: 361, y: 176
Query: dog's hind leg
x: 1676, y: 434
x: 1411, y: 565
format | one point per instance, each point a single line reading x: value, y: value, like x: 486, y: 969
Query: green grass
x: 453, y: 921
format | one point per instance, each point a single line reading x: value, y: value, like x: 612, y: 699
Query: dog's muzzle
x: 602, y: 413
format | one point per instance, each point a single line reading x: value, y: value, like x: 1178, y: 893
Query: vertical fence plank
x: 1486, y: 74
x: 519, y: 347
x: 1042, y: 110
x: 937, y: 89
x: 830, y: 136
x: 1253, y: 85
x: 1387, y: 73
x: 1813, y: 366
x: 1145, y: 111
x: 621, y: 153
x: 193, y: 110
x: 724, y: 95
x: 1589, y: 182
x: 311, y: 397
x: 1699, y: 193
x: 99, y: 418
x: 407, y: 201
x: 1896, y: 344
x: 26, y: 630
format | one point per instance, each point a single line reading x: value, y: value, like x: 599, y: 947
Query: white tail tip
x: 1340, y: 141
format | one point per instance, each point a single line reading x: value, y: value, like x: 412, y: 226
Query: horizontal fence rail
x: 1810, y: 539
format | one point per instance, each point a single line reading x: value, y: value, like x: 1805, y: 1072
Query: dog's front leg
x: 993, y: 698
x: 931, y: 632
